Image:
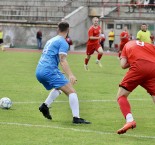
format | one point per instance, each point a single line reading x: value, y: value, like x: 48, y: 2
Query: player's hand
x: 72, y: 79
x: 100, y: 37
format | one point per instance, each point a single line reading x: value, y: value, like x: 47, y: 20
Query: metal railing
x: 52, y: 11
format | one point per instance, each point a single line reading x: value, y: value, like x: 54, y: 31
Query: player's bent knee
x: 122, y: 92
x: 100, y: 50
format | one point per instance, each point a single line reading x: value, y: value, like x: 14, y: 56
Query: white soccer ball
x: 5, y: 103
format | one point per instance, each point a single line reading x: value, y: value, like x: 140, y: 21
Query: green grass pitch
x: 23, y: 124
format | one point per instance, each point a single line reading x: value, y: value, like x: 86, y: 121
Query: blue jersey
x: 47, y: 71
x: 51, y: 51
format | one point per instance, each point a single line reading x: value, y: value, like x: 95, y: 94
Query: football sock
x: 86, y: 61
x: 129, y: 117
x: 99, y: 56
x: 52, y: 96
x: 74, y: 104
x: 124, y: 105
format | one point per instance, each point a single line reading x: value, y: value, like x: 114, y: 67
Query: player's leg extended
x: 125, y: 109
x: 74, y: 103
x: 44, y: 108
x: 99, y: 56
x: 52, y: 96
x: 73, y: 99
x: 86, y: 61
x: 89, y: 51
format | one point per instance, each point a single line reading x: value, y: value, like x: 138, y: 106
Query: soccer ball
x: 5, y: 103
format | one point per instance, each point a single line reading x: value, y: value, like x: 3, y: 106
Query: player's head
x: 143, y: 27
x: 112, y: 29
x: 63, y: 26
x: 125, y: 28
x: 95, y: 21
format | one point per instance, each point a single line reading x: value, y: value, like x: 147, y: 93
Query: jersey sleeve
x: 90, y: 32
x: 63, y: 47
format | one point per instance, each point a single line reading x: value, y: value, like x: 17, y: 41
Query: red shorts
x: 91, y: 48
x: 141, y: 73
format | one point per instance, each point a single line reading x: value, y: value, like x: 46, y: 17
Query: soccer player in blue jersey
x: 49, y: 74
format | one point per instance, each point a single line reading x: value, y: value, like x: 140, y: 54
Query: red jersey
x: 93, y: 32
x: 69, y: 40
x: 126, y: 39
x: 134, y: 50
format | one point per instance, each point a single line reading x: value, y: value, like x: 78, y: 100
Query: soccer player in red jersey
x: 124, y: 38
x: 152, y: 38
x: 139, y: 57
x: 93, y: 43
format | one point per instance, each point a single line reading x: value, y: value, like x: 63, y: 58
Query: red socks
x: 124, y: 105
x: 86, y: 61
x: 99, y: 56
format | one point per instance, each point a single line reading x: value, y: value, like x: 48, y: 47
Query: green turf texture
x: 23, y: 124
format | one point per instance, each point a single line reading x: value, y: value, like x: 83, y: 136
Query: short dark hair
x: 143, y: 23
x: 63, y: 26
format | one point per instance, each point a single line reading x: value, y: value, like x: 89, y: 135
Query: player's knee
x: 60, y: 92
x: 70, y: 91
x: 122, y: 92
x: 101, y: 53
x: 100, y: 50
x: 88, y: 56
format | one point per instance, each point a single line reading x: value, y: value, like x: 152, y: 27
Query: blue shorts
x: 51, y: 79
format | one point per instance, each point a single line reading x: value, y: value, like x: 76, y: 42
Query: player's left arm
x: 122, y: 35
x: 95, y: 37
x: 91, y: 37
x: 65, y: 66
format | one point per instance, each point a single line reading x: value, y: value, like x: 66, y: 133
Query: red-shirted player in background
x: 69, y: 41
x: 152, y: 38
x: 139, y: 57
x: 93, y: 43
x: 124, y: 38
x: 102, y: 40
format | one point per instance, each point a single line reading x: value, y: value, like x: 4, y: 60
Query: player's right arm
x: 123, y: 59
x: 122, y: 35
x: 124, y: 64
x: 65, y: 66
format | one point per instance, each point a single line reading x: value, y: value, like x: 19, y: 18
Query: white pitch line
x: 74, y: 129
x: 82, y: 101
